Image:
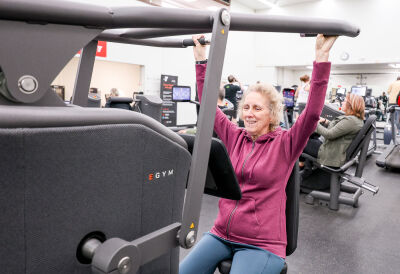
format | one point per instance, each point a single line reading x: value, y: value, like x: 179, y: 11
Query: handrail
x: 171, y: 21
x: 259, y: 23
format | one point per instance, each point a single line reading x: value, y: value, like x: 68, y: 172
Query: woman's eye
x: 246, y: 107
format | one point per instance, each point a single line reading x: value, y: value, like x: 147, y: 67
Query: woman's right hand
x: 199, y: 50
x: 323, y: 45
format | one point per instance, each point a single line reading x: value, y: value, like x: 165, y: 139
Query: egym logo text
x: 161, y: 174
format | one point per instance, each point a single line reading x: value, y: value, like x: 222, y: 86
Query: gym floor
x: 352, y: 240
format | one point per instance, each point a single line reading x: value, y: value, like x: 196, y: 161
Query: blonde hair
x: 355, y: 105
x: 274, y: 99
x: 114, y: 92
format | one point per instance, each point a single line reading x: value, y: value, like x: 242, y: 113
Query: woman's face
x: 256, y: 114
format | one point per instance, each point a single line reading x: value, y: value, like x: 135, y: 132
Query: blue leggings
x: 210, y: 250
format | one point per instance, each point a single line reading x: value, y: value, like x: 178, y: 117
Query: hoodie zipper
x: 237, y: 202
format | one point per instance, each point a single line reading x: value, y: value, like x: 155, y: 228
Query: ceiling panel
x: 293, y: 2
x: 263, y: 4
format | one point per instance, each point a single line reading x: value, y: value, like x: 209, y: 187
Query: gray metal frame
x: 58, y: 29
x: 84, y: 74
x: 198, y: 169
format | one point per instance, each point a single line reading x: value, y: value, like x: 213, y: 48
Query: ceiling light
x: 268, y: 3
x: 213, y: 8
x: 394, y: 65
x: 171, y: 4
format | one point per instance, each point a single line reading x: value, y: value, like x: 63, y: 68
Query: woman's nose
x: 248, y: 113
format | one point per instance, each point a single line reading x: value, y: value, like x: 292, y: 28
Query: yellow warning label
x: 192, y: 226
x: 223, y: 31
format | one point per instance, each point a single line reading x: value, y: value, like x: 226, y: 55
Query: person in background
x: 113, y: 93
x: 384, y: 99
x: 338, y: 134
x: 231, y: 90
x: 252, y: 231
x: 380, y: 110
x: 393, y: 91
x: 301, y: 95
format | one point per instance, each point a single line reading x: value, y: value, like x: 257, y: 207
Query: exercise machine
x: 356, y: 153
x: 149, y: 105
x: 391, y: 157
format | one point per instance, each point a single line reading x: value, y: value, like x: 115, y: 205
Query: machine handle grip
x: 190, y: 43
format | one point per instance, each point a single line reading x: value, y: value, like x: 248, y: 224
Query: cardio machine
x: 391, y: 157
x: 126, y: 214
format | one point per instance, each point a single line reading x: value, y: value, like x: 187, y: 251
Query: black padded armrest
x: 221, y: 179
x: 120, y: 100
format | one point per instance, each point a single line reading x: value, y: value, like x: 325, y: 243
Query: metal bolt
x: 190, y: 239
x: 27, y: 84
x: 124, y: 265
x: 225, y: 17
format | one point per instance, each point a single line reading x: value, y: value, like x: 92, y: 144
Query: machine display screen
x: 288, y: 97
x: 181, y: 93
x: 359, y: 90
x: 341, y: 91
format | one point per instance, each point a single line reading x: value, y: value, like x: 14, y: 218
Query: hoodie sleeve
x: 225, y: 129
x: 297, y: 136
x: 344, y: 126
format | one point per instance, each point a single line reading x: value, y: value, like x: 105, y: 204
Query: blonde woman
x: 252, y: 231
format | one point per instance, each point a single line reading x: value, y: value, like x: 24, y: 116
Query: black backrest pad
x: 60, y: 183
x: 292, y: 210
x: 357, y: 143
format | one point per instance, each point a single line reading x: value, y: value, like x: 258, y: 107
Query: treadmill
x: 391, y: 157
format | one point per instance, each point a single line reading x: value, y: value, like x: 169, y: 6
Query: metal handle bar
x: 97, y: 16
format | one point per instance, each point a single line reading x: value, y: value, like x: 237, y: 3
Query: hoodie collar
x: 266, y: 137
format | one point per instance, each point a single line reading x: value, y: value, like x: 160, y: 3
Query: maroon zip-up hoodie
x: 263, y: 168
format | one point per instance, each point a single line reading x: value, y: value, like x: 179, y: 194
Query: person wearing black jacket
x: 231, y: 90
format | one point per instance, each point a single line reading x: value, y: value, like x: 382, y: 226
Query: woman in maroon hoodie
x: 253, y: 230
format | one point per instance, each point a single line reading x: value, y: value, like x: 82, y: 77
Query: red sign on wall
x: 101, y: 49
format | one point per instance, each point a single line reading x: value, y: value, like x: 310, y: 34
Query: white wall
x: 106, y: 75
x: 377, y: 42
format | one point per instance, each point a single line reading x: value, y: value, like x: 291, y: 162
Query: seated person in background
x: 252, y: 231
x: 338, y: 134
x: 113, y: 93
